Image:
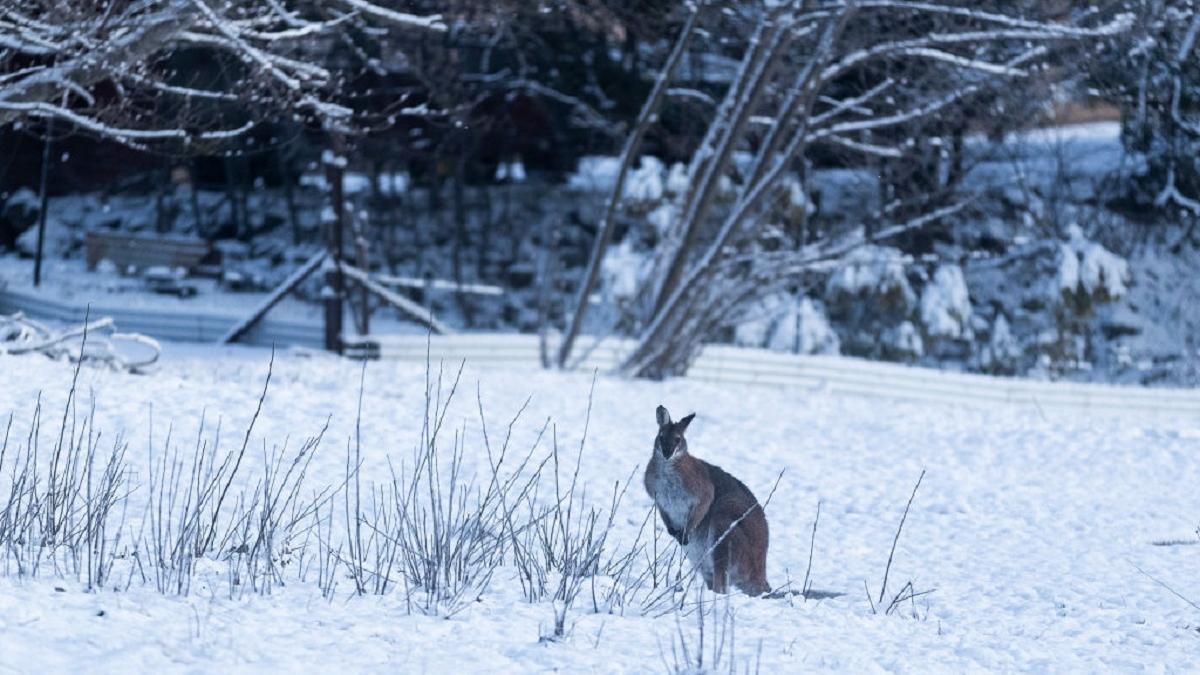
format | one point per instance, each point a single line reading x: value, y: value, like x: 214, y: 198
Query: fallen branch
x: 22, y: 335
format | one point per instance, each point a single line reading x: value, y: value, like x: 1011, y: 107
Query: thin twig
x: 886, y: 570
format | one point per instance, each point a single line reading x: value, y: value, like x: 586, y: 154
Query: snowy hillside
x: 1022, y: 546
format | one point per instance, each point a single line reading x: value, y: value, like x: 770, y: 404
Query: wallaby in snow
x: 713, y: 515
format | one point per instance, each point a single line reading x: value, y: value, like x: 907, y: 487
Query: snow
x: 1002, y: 350
x: 1087, y: 265
x: 69, y: 281
x: 795, y: 194
x: 782, y: 323
x: 23, y: 198
x: 661, y: 218
x: 870, y: 269
x: 595, y: 173
x: 510, y: 171
x: 622, y: 270
x: 1103, y: 269
x: 645, y: 182
x: 516, y: 171
x: 1031, y: 528
x: 906, y: 340
x: 1068, y: 268
x: 677, y: 179
x: 946, y: 304
x: 394, y: 183
x: 357, y: 183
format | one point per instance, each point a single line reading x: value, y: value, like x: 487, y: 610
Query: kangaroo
x: 713, y: 515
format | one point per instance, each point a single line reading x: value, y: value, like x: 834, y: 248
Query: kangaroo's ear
x: 664, y: 417
x: 682, y: 425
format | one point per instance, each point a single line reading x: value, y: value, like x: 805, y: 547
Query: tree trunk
x: 646, y: 117
x: 333, y: 292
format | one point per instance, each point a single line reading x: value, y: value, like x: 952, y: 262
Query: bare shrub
x: 704, y: 653
x: 908, y: 592
x: 62, y: 510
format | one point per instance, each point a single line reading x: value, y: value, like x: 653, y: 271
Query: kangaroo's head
x: 670, y: 440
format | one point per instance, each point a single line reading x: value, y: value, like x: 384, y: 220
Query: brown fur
x: 713, y: 515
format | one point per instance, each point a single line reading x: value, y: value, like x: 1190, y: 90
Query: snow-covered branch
x: 432, y: 22
x: 22, y: 335
x: 127, y: 136
x: 58, y: 69
x: 832, y: 93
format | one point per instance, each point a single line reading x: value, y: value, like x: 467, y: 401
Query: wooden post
x: 44, y: 204
x: 334, y: 291
x: 363, y: 261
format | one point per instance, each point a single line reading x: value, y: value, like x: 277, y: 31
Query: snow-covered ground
x: 1031, y: 529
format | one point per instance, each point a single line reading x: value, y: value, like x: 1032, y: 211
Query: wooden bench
x: 140, y: 251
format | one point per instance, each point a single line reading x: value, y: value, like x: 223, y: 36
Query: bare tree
x: 119, y: 70
x: 784, y: 102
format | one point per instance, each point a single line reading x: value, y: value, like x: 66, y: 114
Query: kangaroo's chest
x: 666, y: 486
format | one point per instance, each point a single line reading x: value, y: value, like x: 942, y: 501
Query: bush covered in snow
x: 868, y: 297
x: 1002, y: 352
x: 646, y: 183
x: 875, y: 271
x: 622, y: 271
x: 782, y: 322
x: 1088, y: 273
x: 903, y: 343
x: 946, y: 305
